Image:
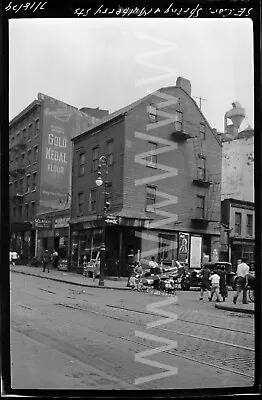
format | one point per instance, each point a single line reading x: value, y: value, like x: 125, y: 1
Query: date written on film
x: 12, y: 6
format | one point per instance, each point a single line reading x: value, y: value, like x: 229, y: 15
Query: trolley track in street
x: 196, y: 350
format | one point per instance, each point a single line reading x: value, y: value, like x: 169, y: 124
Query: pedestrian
x: 214, y: 278
x: 55, y: 259
x: 11, y: 260
x: 153, y: 265
x: 222, y: 283
x: 46, y: 259
x: 205, y: 282
x: 96, y: 270
x: 242, y: 281
x: 130, y: 265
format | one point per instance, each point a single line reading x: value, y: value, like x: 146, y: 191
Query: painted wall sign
x: 61, y: 122
x: 62, y: 265
x: 195, y: 252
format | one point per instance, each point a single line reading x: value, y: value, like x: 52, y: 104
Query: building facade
x: 238, y: 231
x: 164, y: 174
x: 238, y: 166
x: 40, y: 152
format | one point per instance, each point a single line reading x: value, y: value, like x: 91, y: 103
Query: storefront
x: 242, y: 248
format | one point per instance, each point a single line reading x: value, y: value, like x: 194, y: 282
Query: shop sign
x: 63, y: 265
x: 183, y: 245
x: 42, y: 223
x: 62, y: 222
x: 195, y: 252
x: 111, y: 219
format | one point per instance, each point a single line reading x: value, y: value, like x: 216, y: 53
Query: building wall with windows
x: 187, y: 203
x: 27, y: 133
x: 238, y: 217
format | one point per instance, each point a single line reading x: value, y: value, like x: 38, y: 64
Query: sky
x: 110, y: 63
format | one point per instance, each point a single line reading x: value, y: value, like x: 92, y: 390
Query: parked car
x: 190, y: 279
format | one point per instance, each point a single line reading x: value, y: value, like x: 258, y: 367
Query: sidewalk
x: 70, y: 277
x: 228, y: 305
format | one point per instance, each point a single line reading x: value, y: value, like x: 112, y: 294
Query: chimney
x: 184, y: 84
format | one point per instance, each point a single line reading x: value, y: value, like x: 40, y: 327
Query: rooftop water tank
x: 236, y: 114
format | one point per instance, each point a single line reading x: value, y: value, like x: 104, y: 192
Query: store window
x: 238, y: 220
x: 249, y: 224
x: 150, y: 198
x: 167, y: 244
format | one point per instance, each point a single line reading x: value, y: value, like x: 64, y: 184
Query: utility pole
x: 200, y: 100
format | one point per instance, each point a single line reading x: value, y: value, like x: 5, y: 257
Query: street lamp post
x: 99, y: 182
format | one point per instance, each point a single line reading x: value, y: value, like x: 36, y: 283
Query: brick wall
x: 183, y: 158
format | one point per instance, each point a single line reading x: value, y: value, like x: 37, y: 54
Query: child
x: 214, y: 278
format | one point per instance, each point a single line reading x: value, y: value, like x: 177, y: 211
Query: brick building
x: 164, y: 172
x: 40, y: 153
x: 238, y: 239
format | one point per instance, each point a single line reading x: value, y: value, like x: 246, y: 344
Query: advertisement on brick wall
x: 195, y: 252
x: 183, y: 243
x: 61, y: 123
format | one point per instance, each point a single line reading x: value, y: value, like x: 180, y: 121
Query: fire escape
x: 210, y: 196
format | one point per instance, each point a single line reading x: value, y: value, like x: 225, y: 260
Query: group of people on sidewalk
x: 215, y: 283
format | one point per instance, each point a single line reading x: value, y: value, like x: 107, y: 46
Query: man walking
x: 242, y: 281
x: 55, y: 258
x: 222, y: 283
x: 46, y: 261
x: 214, y: 278
x: 205, y: 282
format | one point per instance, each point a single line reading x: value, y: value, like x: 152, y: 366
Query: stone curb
x: 70, y: 282
x: 236, y: 309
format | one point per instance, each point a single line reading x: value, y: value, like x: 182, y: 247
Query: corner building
x: 40, y: 164
x: 164, y: 172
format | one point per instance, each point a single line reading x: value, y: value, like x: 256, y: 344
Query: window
x: 82, y: 160
x: 27, y: 183
x: 29, y: 152
x: 238, y: 218
x: 32, y: 208
x: 249, y: 224
x: 152, y: 158
x: 20, y: 211
x: 150, y: 198
x: 200, y: 206
x: 30, y: 132
x: 35, y: 153
x: 166, y: 247
x: 18, y: 136
x: 95, y: 158
x: 152, y: 113
x: 202, y: 131
x: 80, y: 203
x: 34, y: 181
x: 92, y: 202
x: 37, y: 127
x: 26, y: 211
x: 22, y: 185
x: 201, y: 167
x: 179, y: 121
x: 16, y: 185
x: 110, y: 155
x: 24, y: 133
x: 14, y: 212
